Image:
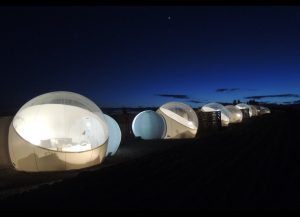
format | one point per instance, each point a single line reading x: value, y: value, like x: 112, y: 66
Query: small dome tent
x: 181, y: 120
x: 254, y: 110
x: 114, y: 135
x: 225, y: 114
x: 264, y: 110
x: 149, y: 125
x: 57, y: 131
x: 236, y: 116
x: 245, y: 106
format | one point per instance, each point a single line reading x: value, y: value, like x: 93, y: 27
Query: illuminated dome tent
x: 225, y: 114
x: 181, y: 120
x: 114, y: 138
x: 149, y: 125
x: 236, y: 115
x: 264, y: 110
x: 254, y: 110
x: 57, y: 131
x: 245, y: 106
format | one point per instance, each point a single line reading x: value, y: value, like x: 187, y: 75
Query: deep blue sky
x: 124, y: 56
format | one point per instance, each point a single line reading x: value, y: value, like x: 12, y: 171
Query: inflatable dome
x: 245, y: 106
x: 236, y: 115
x: 149, y: 125
x: 181, y: 120
x: 264, y: 110
x: 254, y: 110
x: 114, y: 135
x: 57, y: 131
x: 225, y: 114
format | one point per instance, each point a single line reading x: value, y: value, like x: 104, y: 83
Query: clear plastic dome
x: 61, y: 121
x: 245, y: 106
x: 115, y: 135
x: 149, y: 125
x: 181, y: 119
x: 264, y: 110
x: 254, y: 110
x: 236, y: 114
x: 225, y: 114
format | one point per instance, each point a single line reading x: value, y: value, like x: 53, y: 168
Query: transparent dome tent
x: 58, y: 131
x: 181, y: 120
x: 149, y: 125
x: 225, y: 114
x: 264, y: 110
x: 254, y: 110
x: 245, y: 106
x: 236, y: 116
x: 114, y: 138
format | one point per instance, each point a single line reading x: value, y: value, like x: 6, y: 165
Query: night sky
x: 146, y: 56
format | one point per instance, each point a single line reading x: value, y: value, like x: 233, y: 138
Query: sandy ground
x: 253, y: 165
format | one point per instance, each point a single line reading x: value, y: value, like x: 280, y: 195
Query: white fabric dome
x: 225, y: 114
x: 181, y: 119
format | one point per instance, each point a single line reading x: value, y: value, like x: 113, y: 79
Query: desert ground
x: 247, y: 166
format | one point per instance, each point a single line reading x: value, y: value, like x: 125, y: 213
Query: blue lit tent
x: 149, y: 125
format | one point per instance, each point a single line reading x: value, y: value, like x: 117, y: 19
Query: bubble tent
x: 225, y: 114
x: 57, y: 131
x: 114, y: 138
x: 149, y: 125
x: 236, y: 115
x: 264, y: 110
x: 245, y: 106
x: 254, y: 110
x: 181, y: 120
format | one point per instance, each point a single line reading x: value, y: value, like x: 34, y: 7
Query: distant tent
x: 114, y: 138
x: 236, y: 115
x: 245, y: 106
x: 264, y: 110
x: 225, y: 114
x: 149, y: 125
x: 57, y: 131
x: 181, y: 120
x: 254, y: 110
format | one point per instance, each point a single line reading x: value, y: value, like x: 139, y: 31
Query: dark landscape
x: 251, y: 165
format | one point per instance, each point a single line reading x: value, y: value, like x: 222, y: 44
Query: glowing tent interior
x: 225, y: 114
x: 245, y: 106
x: 58, y: 131
x: 181, y: 120
x: 236, y: 115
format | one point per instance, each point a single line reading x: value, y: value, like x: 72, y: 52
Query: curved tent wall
x: 114, y: 138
